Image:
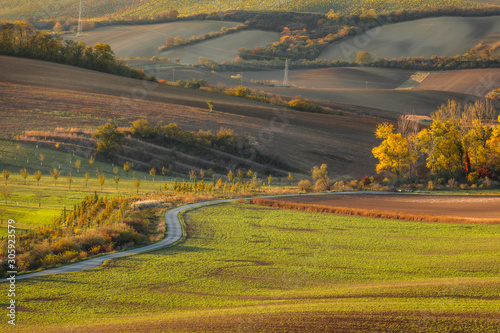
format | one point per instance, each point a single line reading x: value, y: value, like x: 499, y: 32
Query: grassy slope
x: 14, y: 9
x: 23, y: 202
x: 254, y: 269
x: 444, y: 36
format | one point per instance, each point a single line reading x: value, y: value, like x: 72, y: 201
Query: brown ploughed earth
x: 478, y: 82
x: 58, y: 95
x: 473, y: 207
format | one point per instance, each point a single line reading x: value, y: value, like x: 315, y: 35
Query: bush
x: 473, y: 177
x: 305, y: 186
x: 120, y: 234
x: 91, y: 239
x: 431, y: 186
x: 64, y: 244
x: 39, y: 251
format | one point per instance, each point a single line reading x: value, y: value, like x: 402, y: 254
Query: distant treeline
x: 23, y: 40
x: 466, y: 61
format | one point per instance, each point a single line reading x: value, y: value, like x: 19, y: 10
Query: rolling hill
x: 478, y: 82
x: 18, y: 9
x: 58, y: 95
x: 224, y: 48
x: 143, y: 40
x: 443, y: 36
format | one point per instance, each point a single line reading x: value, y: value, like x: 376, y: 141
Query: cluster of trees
x: 23, y: 40
x: 225, y: 139
x: 461, y: 143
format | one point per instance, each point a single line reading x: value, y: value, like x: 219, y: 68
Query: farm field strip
x: 240, y: 260
x: 479, y: 207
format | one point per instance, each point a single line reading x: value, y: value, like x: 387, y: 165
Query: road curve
x: 174, y: 234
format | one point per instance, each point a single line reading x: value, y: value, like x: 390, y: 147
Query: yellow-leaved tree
x: 393, y: 153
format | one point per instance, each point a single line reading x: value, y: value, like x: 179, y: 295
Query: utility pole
x: 285, y: 80
x: 79, y: 31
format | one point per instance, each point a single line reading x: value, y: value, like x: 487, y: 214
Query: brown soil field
x: 485, y: 208
x: 392, y: 102
x: 222, y: 49
x: 444, y: 36
x: 478, y: 82
x: 58, y: 95
x: 143, y: 40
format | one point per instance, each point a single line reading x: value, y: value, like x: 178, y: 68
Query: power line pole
x: 285, y: 79
x: 79, y: 31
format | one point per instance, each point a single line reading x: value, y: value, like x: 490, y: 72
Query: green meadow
x: 32, y: 204
x: 252, y: 269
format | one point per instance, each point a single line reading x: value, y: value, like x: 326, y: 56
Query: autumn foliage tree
x: 393, y: 153
x: 108, y: 138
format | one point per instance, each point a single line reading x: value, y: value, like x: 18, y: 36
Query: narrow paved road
x: 174, y: 234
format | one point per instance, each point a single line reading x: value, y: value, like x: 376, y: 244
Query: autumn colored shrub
x: 64, y: 244
x: 305, y: 186
x: 91, y: 239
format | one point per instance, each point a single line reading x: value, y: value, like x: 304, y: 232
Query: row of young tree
x: 463, y: 142
x: 23, y: 40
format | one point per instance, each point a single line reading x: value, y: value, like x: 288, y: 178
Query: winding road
x: 174, y: 234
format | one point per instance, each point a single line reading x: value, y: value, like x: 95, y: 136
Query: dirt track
x: 481, y: 207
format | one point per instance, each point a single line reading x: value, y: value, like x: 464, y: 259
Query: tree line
x: 21, y: 39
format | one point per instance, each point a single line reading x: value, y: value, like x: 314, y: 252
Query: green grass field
x: 25, y: 198
x: 16, y: 9
x: 254, y: 269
